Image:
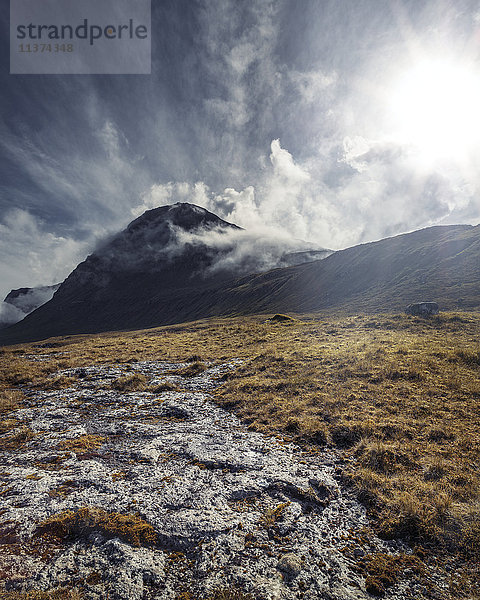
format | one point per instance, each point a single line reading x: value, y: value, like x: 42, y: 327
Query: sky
x: 336, y: 122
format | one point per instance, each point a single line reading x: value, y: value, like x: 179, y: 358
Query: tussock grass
x: 136, y: 382
x: 191, y: 370
x: 9, y: 400
x: 82, y: 444
x: 19, y: 438
x: 280, y: 318
x: 163, y: 386
x: 67, y: 525
x: 383, y: 570
x: 56, y: 594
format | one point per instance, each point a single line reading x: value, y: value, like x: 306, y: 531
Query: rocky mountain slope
x: 179, y: 263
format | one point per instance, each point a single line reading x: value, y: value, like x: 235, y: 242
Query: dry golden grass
x: 56, y: 594
x: 9, y: 400
x: 136, y: 382
x: 272, y: 515
x: 18, y: 439
x: 130, y: 528
x: 398, y: 396
x: 383, y: 570
x: 193, y: 369
x: 82, y: 444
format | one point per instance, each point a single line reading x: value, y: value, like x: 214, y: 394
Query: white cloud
x: 9, y: 314
x: 284, y: 165
x: 311, y: 85
x: 33, y: 256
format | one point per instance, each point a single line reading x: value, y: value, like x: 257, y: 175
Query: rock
x: 223, y: 502
x: 290, y: 564
x: 279, y: 318
x: 422, y: 309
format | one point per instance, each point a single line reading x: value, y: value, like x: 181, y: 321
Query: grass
x: 397, y: 396
x: 82, y: 444
x: 191, y: 370
x: 136, y: 382
x: 9, y: 400
x: 18, y: 439
x: 67, y: 525
x: 273, y: 515
x: 381, y: 570
x: 56, y: 594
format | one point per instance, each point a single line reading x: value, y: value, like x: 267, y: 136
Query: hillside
x: 437, y: 263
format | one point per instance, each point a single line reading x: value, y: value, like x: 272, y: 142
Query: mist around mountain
x: 180, y: 262
x: 20, y: 302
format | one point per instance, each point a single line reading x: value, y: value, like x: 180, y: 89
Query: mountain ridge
x: 175, y: 278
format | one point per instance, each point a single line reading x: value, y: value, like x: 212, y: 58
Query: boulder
x: 422, y: 309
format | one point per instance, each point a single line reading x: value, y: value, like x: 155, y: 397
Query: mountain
x: 437, y: 263
x: 167, y: 265
x: 290, y: 259
x: 22, y: 301
x: 179, y: 263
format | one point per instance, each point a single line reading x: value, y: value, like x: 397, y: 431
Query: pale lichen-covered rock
x: 227, y: 506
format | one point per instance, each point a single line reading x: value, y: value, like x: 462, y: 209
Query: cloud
x: 264, y: 114
x: 9, y: 314
x: 311, y: 85
x: 34, y: 256
x: 238, y: 251
x: 284, y: 165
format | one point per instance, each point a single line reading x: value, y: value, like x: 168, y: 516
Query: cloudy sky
x: 331, y: 121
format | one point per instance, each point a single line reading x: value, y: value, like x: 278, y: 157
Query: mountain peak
x: 182, y: 214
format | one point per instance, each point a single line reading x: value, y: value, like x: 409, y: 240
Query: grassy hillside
x: 399, y: 397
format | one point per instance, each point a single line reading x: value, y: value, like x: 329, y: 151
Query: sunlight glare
x: 436, y: 107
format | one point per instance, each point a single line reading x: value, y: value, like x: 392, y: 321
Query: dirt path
x: 228, y: 506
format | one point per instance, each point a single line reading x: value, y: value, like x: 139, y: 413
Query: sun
x: 435, y: 106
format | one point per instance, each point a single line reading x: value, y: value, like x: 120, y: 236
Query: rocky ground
x: 217, y: 505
